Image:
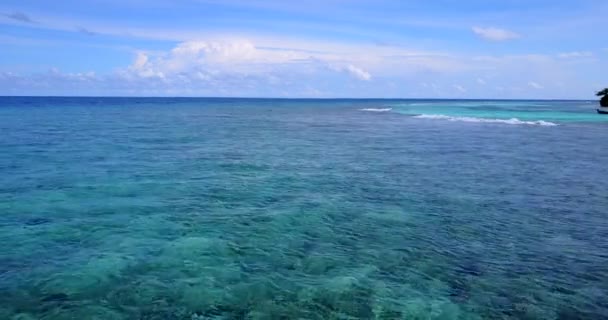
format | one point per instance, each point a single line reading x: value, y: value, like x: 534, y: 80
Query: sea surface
x: 166, y: 208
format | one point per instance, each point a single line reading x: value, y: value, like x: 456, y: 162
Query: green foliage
x: 602, y: 92
x: 604, y: 95
x: 604, y: 101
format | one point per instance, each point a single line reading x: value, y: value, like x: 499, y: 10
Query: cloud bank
x: 283, y: 67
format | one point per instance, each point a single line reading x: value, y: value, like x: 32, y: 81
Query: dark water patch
x: 55, y: 297
x: 37, y: 221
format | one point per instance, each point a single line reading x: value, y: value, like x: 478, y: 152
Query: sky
x: 508, y: 49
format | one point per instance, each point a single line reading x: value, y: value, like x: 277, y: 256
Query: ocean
x: 188, y: 208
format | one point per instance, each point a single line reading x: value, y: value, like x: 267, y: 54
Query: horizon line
x: 286, y: 98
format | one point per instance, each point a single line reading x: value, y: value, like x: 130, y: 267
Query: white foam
x: 377, y: 109
x: 484, y: 120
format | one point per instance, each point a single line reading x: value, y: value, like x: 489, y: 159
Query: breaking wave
x: 377, y: 109
x: 484, y: 120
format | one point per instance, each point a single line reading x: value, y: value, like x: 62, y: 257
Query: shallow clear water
x: 522, y: 112
x: 309, y: 209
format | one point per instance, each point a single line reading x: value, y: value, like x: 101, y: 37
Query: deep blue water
x: 159, y: 208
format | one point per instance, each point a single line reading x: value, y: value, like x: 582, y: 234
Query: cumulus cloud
x: 203, y: 60
x: 234, y: 56
x: 236, y: 67
x: 495, y: 34
x: 575, y: 54
x: 217, y: 51
x: 358, y: 73
x: 260, y: 67
x: 140, y: 60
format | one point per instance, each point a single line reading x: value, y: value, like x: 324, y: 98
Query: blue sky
x: 331, y: 48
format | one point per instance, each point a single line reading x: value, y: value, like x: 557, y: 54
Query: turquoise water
x: 115, y: 208
x: 544, y: 112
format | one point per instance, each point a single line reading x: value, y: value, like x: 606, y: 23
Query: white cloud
x: 535, y: 85
x: 238, y: 56
x: 231, y: 56
x: 218, y: 51
x: 358, y: 73
x: 575, y: 54
x: 495, y: 34
x: 237, y: 66
x: 267, y: 66
x: 140, y: 60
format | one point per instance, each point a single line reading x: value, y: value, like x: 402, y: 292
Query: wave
x: 485, y: 120
x: 376, y: 109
